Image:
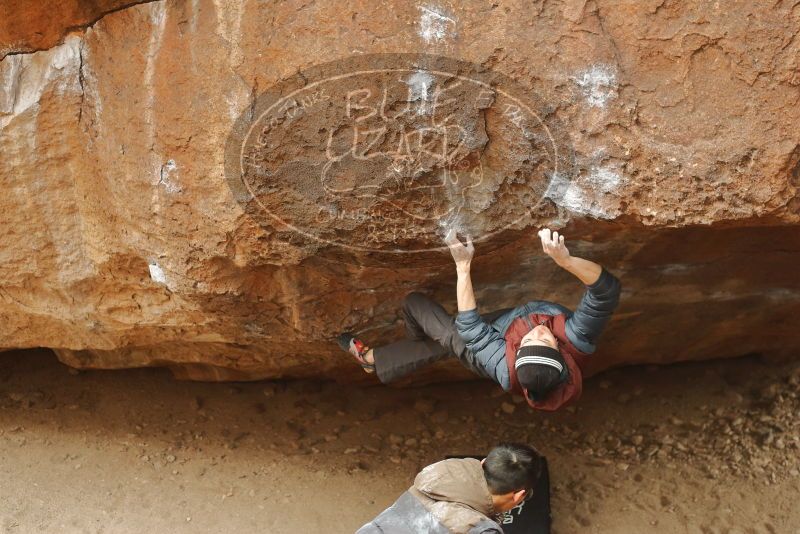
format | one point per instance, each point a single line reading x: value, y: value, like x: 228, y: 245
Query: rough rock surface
x: 666, y: 147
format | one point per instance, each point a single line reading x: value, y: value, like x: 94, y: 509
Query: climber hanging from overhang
x: 537, y: 350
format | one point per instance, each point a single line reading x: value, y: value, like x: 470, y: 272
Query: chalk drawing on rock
x: 386, y: 152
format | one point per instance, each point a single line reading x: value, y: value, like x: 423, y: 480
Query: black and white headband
x: 540, y: 360
x: 540, y: 355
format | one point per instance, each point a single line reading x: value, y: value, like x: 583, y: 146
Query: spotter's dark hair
x: 511, y: 467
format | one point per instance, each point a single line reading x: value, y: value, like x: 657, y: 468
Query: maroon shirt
x: 569, y: 391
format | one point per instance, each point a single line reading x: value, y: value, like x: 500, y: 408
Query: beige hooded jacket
x: 448, y: 497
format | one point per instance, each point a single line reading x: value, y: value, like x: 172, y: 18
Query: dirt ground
x: 701, y: 448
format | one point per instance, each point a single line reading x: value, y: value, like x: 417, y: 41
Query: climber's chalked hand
x: 553, y: 245
x: 462, y: 255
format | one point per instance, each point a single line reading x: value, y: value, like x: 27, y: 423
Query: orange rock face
x: 27, y: 26
x: 222, y: 187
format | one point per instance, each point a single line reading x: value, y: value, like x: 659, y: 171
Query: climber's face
x: 540, y: 335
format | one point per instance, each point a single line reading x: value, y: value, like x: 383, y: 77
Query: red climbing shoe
x: 357, y: 349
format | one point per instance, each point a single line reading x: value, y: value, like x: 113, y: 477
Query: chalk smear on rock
x: 419, y: 85
x: 599, y: 84
x: 435, y: 26
x: 157, y: 273
x: 573, y: 197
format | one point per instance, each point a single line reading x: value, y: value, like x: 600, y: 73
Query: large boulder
x: 222, y: 187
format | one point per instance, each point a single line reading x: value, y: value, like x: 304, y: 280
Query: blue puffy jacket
x: 486, y: 341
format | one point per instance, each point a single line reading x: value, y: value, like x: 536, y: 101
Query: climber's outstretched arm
x: 462, y: 255
x: 583, y: 328
x: 486, y: 343
x: 553, y: 245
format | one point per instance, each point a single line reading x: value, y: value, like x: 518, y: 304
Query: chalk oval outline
x: 243, y: 127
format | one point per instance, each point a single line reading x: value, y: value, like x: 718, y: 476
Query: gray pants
x: 431, y: 336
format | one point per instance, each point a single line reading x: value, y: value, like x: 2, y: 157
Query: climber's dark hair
x: 540, y: 369
x: 539, y: 380
x: 511, y: 467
